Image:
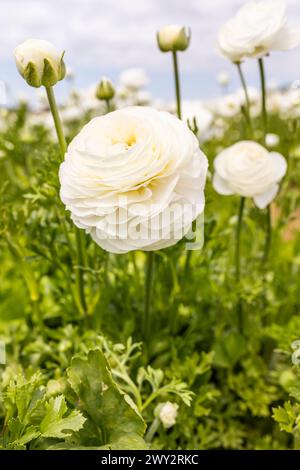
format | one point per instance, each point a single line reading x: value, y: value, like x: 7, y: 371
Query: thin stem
x: 152, y: 430
x: 264, y: 116
x: 148, y: 292
x: 177, y: 83
x: 244, y: 86
x: 57, y: 121
x: 78, y: 233
x: 80, y: 265
x: 238, y: 239
x: 268, y: 234
x: 108, y: 106
x: 238, y: 262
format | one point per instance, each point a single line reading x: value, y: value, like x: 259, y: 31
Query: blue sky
x: 102, y: 37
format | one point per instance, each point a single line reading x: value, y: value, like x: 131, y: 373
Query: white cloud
x: 113, y: 34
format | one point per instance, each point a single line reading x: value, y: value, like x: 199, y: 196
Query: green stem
x: 264, y: 118
x: 148, y: 292
x: 268, y: 234
x: 238, y: 262
x: 238, y: 239
x: 108, y: 106
x: 78, y: 233
x: 80, y: 265
x: 177, y: 83
x: 57, y: 121
x: 152, y: 430
x: 244, y: 86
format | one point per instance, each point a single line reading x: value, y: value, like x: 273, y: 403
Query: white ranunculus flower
x: 130, y: 171
x: 167, y: 413
x: 228, y: 106
x: 134, y: 78
x: 258, y: 28
x: 248, y: 169
x: 173, y: 37
x: 39, y: 62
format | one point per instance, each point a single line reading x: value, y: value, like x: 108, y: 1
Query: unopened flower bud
x: 173, y: 38
x: 105, y: 90
x: 39, y: 63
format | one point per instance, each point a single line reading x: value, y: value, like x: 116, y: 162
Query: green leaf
x: 57, y: 423
x: 110, y: 410
x: 285, y: 416
x: 229, y: 350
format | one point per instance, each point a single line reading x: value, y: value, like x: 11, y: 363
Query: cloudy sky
x: 102, y: 37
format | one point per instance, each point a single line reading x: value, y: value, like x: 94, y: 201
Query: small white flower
x: 134, y: 179
x: 248, y: 169
x: 272, y: 140
x: 39, y: 62
x: 223, y: 79
x: 258, y: 28
x: 173, y: 37
x: 167, y: 413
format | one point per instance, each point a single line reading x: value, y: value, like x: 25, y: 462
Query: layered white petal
x: 257, y: 28
x: 128, y: 171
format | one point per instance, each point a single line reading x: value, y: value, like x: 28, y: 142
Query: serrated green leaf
x: 57, y: 423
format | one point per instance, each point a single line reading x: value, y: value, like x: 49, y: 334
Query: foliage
x: 87, y: 379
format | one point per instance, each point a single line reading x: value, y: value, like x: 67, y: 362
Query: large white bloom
x: 258, y: 28
x: 248, y: 169
x: 133, y: 169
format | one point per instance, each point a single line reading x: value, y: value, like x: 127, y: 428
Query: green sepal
x: 62, y: 68
x: 50, y: 76
x: 31, y: 75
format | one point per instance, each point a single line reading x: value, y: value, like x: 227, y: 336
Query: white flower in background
x: 173, y: 37
x: 228, y: 106
x: 223, y: 79
x: 134, y: 79
x: 131, y: 170
x: 258, y: 28
x: 272, y: 140
x: 248, y: 169
x: 253, y: 95
x: 195, y: 110
x: 39, y: 63
x: 167, y: 413
x: 143, y: 97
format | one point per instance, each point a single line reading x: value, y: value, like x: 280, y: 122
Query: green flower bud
x: 173, y: 38
x: 39, y: 63
x: 105, y: 90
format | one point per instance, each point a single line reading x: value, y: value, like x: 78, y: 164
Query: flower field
x: 150, y: 254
